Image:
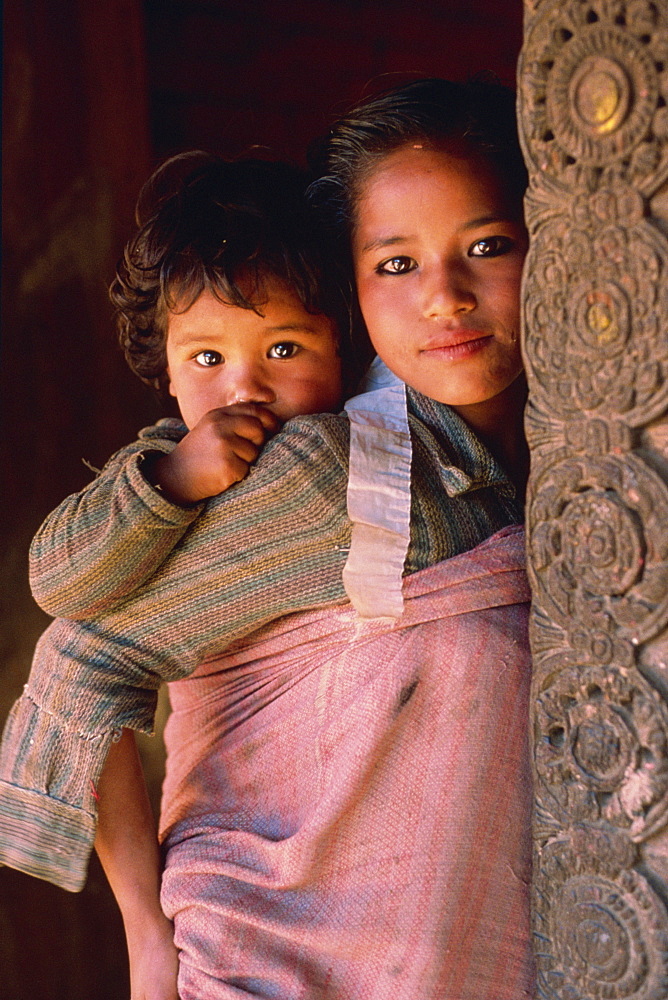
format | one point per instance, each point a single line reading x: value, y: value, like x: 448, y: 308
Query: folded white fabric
x: 379, y: 494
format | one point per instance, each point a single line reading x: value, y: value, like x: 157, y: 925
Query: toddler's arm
x: 127, y: 846
x: 104, y: 542
x: 249, y: 559
x: 215, y: 454
x: 100, y: 544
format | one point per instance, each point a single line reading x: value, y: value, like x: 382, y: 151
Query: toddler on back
x: 224, y: 300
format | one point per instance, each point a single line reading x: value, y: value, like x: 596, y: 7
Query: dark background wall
x: 95, y: 94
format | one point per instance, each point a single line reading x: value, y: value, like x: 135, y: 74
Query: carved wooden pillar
x: 594, y: 123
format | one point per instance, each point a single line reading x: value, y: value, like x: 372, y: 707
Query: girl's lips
x: 457, y: 347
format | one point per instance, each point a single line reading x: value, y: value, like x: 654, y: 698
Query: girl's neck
x: 499, y: 423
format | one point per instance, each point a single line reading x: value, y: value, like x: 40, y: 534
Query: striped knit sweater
x: 158, y: 589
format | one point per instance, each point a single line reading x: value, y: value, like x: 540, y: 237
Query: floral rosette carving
x: 595, y: 319
x: 601, y: 747
x: 598, y: 545
x: 595, y: 81
x: 555, y: 647
x: 601, y: 931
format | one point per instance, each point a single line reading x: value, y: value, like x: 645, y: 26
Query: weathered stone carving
x: 600, y: 920
x: 597, y: 292
x: 594, y: 126
x: 599, y: 545
x: 602, y: 747
x: 595, y: 70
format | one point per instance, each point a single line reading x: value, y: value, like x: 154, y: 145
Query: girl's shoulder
x: 314, y: 434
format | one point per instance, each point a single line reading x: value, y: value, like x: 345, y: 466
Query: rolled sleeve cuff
x: 49, y: 770
x: 165, y: 511
x: 45, y: 837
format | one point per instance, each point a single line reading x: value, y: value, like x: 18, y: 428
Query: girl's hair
x: 210, y: 224
x: 478, y: 115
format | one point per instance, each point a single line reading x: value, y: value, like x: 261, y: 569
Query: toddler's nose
x: 248, y: 386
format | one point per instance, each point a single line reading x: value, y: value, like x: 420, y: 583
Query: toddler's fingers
x: 236, y: 469
x: 251, y: 427
x: 269, y: 420
x: 245, y: 448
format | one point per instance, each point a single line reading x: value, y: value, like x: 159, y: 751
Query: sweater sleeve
x: 104, y: 542
x: 53, y: 750
x: 271, y: 545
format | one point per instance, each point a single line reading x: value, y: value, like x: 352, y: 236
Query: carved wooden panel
x: 594, y: 126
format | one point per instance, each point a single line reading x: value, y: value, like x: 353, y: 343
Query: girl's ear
x: 172, y: 391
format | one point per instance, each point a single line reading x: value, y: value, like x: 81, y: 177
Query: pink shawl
x: 346, y: 810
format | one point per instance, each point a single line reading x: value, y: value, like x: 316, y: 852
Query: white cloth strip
x: 379, y: 494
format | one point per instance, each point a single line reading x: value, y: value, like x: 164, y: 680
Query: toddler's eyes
x: 492, y: 246
x: 397, y: 265
x: 286, y: 349
x: 207, y: 359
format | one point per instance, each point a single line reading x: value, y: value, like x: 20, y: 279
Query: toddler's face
x: 285, y: 359
x: 438, y: 248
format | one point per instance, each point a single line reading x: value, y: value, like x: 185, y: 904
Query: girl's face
x: 438, y: 248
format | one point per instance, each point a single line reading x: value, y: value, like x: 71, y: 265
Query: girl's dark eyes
x: 208, y: 359
x: 286, y: 349
x: 397, y: 265
x: 491, y: 246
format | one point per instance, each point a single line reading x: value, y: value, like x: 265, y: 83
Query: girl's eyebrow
x: 390, y: 241
x: 486, y: 220
x: 385, y: 241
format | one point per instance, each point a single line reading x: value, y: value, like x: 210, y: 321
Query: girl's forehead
x: 418, y: 170
x: 455, y: 154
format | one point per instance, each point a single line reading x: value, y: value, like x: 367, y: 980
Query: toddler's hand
x: 216, y: 453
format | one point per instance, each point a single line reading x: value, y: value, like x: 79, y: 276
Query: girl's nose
x: 448, y: 292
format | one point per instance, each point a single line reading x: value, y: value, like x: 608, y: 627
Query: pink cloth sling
x: 347, y: 804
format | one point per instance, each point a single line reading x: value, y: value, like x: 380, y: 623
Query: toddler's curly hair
x: 205, y: 223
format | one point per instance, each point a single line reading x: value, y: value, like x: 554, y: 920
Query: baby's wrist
x: 163, y: 473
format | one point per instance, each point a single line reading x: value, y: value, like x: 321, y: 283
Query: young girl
x: 346, y: 809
